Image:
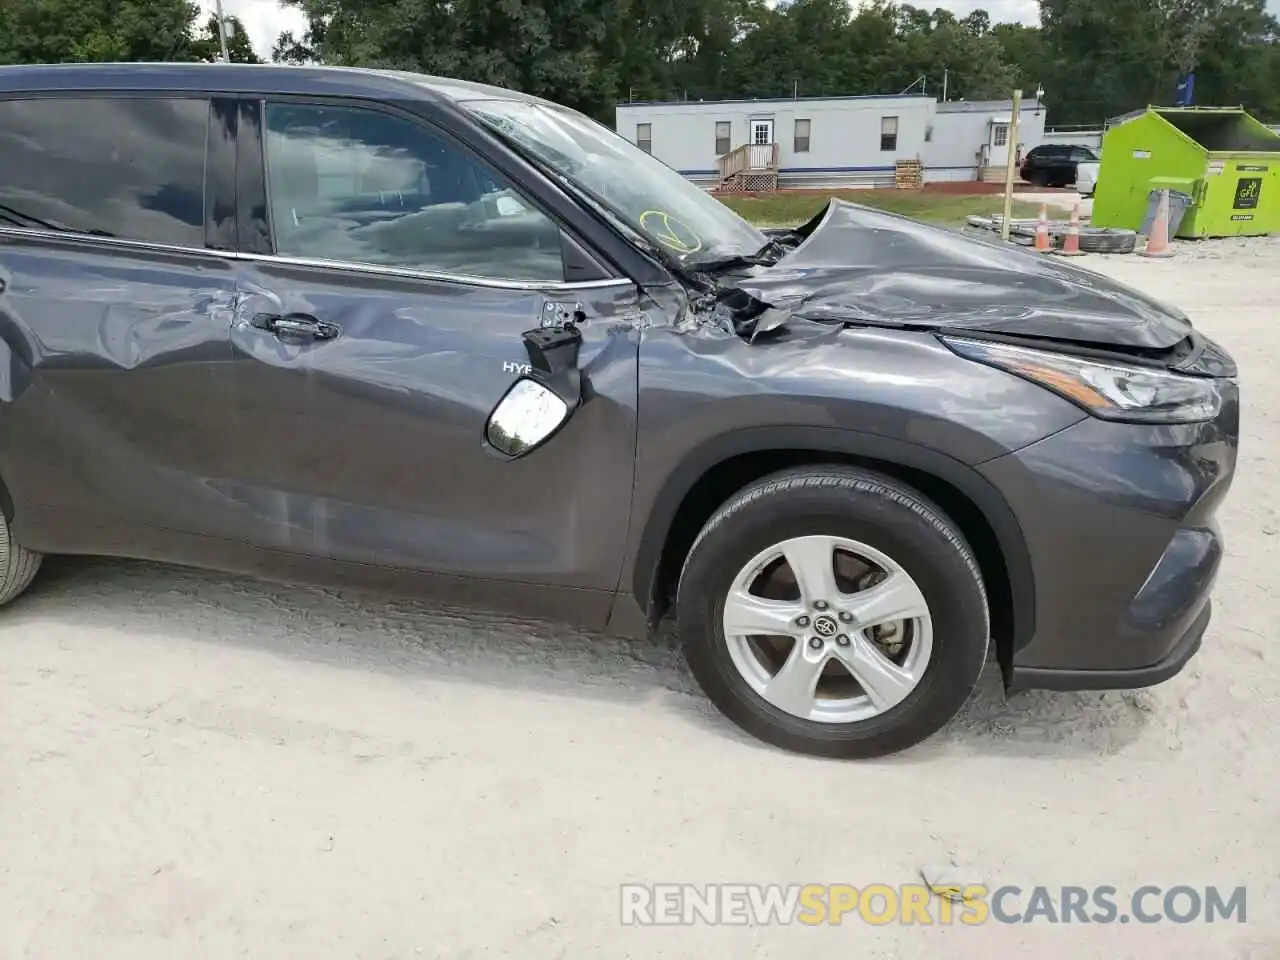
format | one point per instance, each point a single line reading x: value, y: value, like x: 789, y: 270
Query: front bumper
x: 1064, y: 678
x: 1119, y: 523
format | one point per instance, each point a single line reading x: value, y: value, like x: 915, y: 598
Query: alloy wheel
x: 828, y: 629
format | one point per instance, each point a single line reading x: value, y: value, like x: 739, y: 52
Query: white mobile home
x: 970, y: 138
x: 817, y: 142
x: 829, y: 141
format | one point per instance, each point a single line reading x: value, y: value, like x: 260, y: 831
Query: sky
x: 266, y: 19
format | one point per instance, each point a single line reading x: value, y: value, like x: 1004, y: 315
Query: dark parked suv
x: 376, y: 328
x: 1054, y: 165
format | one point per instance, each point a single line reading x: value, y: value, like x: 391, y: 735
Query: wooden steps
x: 751, y: 168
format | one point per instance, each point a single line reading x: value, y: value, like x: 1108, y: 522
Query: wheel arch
x: 716, y: 470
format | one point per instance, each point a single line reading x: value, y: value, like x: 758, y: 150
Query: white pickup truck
x: 1087, y: 177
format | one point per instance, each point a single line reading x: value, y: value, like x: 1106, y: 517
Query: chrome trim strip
x: 362, y: 268
x: 376, y: 270
x: 20, y: 232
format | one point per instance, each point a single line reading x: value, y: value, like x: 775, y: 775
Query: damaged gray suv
x: 381, y: 329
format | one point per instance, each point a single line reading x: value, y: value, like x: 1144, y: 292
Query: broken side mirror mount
x: 540, y: 402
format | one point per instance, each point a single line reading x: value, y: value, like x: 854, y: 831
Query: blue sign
x: 1184, y: 91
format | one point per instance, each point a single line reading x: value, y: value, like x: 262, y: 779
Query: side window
x: 888, y: 133
x: 127, y: 168
x: 724, y: 129
x: 361, y: 186
x: 800, y: 142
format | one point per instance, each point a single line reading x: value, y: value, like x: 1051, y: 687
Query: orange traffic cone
x: 1042, y: 231
x: 1158, y: 243
x: 1071, y: 245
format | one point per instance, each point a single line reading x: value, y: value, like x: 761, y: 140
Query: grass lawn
x: 789, y: 208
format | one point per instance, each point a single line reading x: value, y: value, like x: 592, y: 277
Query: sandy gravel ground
x: 192, y: 766
x: 1059, y: 201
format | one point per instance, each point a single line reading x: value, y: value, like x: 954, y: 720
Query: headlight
x: 1106, y: 390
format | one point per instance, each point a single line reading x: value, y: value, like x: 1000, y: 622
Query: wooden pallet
x: 908, y: 175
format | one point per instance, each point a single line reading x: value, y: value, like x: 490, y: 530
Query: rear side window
x: 126, y: 168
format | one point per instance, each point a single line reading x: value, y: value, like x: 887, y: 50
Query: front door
x: 370, y: 350
x: 761, y: 132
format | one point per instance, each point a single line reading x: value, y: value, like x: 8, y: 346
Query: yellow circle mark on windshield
x: 670, y: 232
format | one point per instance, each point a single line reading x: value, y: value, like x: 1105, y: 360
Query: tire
x: 1107, y: 240
x: 18, y: 565
x: 875, y: 512
x: 1092, y: 239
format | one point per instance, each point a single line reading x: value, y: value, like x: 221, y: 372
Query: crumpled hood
x: 857, y: 264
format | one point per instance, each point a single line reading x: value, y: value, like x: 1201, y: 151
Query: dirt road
x: 192, y: 766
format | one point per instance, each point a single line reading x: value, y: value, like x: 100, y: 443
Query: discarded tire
x: 1107, y: 240
x: 1092, y: 239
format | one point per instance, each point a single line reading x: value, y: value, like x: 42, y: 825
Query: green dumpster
x: 1224, y: 159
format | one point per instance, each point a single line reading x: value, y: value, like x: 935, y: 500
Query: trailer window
x: 723, y: 130
x: 888, y: 133
x: 801, y: 144
x: 644, y: 137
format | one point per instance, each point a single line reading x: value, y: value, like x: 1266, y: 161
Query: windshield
x: 644, y: 192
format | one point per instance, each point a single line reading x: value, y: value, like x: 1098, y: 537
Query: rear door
x: 405, y: 271
x: 1036, y: 164
x: 115, y: 306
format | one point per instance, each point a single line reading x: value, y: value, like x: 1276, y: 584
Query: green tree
x: 934, y: 44
x: 205, y: 46
x: 1095, y: 58
x: 58, y: 31
x: 561, y: 49
x: 1239, y: 61
x: 978, y: 23
x: 1024, y: 49
x: 1107, y: 57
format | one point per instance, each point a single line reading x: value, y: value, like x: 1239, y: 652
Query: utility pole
x: 222, y: 31
x: 1008, y: 173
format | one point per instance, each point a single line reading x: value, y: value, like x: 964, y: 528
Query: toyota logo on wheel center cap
x: 825, y: 627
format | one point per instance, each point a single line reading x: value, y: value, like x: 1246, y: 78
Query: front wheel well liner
x: 981, y: 514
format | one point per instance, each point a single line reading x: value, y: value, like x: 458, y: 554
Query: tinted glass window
x: 888, y: 133
x: 132, y: 169
x: 362, y: 186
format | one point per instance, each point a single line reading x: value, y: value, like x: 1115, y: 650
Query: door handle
x: 295, y: 326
